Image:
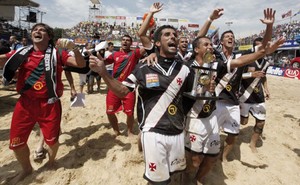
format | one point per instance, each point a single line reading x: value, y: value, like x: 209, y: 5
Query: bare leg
x: 193, y: 162
x: 205, y: 167
x: 244, y: 120
x: 130, y: 122
x: 40, y: 152
x: 81, y: 88
x: 229, y: 142
x: 253, y: 142
x: 258, y: 129
x: 112, y: 118
x: 98, y: 85
x: 40, y: 146
x: 52, y: 150
x: 22, y: 155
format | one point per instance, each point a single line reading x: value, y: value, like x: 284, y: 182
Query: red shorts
x: 115, y: 104
x: 30, y: 111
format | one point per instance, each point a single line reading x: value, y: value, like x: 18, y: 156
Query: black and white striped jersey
x: 228, y: 80
x: 198, y: 108
x: 160, y: 93
x: 251, y: 90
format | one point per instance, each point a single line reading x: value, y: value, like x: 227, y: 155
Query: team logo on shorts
x: 192, y: 138
x: 172, y: 109
x: 256, y: 90
x: 228, y: 87
x: 38, y: 86
x: 152, y: 167
x: 206, y: 108
x: 15, y: 141
x: 214, y: 143
x: 110, y: 108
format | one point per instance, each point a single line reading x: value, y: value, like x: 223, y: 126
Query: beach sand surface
x: 89, y: 153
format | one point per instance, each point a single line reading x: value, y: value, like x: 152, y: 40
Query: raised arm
x: 276, y: 45
x: 268, y: 21
x: 142, y: 33
x: 262, y: 51
x: 114, y: 85
x: 218, y: 12
x: 77, y: 60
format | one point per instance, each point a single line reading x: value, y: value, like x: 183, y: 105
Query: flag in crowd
x: 215, y: 37
x: 287, y: 14
x: 297, y: 13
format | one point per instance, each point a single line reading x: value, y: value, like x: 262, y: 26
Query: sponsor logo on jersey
x: 152, y: 80
x: 172, y: 109
x: 206, y: 108
x: 38, y: 86
x: 228, y: 88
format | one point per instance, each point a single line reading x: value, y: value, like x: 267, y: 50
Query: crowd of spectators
x: 288, y: 30
x: 106, y: 31
x: 6, y: 30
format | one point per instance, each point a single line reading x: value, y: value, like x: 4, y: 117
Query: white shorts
x: 202, y: 135
x: 82, y: 79
x: 258, y: 110
x: 228, y: 116
x: 163, y: 154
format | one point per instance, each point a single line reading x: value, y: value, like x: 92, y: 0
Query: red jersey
x: 124, y: 63
x: 39, y: 89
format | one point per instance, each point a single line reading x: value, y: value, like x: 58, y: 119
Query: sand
x: 89, y: 152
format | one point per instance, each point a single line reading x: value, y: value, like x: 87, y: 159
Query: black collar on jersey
x: 164, y: 59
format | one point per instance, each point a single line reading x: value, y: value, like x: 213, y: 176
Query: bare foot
x: 20, y: 177
x: 117, y: 133
x: 224, y: 160
x: 253, y: 149
x: 130, y: 134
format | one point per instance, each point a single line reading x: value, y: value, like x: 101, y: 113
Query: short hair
x: 228, y: 31
x: 158, y: 32
x: 182, y: 37
x: 48, y: 29
x: 258, y: 39
x: 110, y: 44
x: 196, y: 43
x: 127, y: 36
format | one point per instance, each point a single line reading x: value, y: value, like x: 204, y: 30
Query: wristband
x: 209, y: 19
x: 247, y: 75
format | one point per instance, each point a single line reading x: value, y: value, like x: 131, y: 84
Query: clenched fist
x: 65, y: 44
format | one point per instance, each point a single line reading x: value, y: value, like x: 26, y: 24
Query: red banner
x: 193, y: 25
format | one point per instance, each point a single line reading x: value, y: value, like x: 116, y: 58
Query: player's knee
x: 259, y: 127
x: 244, y: 121
x: 231, y: 138
x: 196, y: 160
